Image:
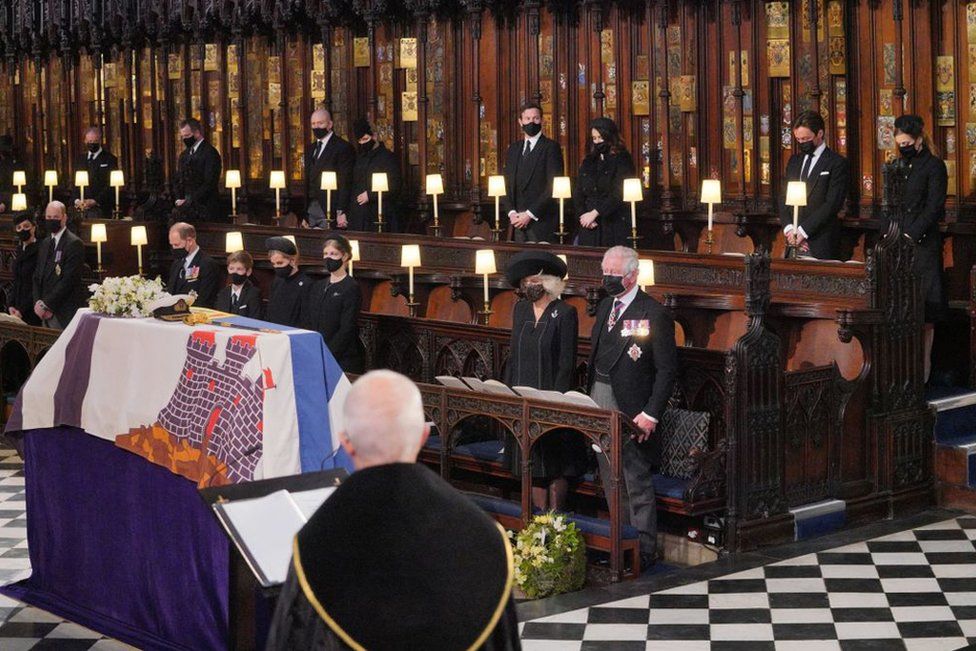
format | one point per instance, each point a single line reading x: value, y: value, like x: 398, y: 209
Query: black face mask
x: 283, y: 272
x: 53, y: 226
x: 319, y: 132
x: 189, y: 142
x: 908, y: 151
x: 179, y: 254
x: 806, y: 148
x: 534, y: 292
x: 614, y: 285
x: 238, y: 279
x: 23, y: 236
x: 332, y: 264
x: 602, y: 148
x: 532, y: 129
x: 365, y: 147
x: 94, y: 146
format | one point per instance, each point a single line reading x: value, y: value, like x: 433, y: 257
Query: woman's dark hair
x: 339, y: 242
x: 914, y: 126
x: 608, y: 130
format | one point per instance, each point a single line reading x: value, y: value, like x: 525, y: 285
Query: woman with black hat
x: 543, y: 356
x: 600, y: 209
x: 334, y: 304
x: 923, y: 197
x: 21, y: 301
x: 372, y: 156
x: 290, y: 288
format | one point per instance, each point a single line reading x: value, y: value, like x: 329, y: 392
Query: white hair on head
x: 57, y: 205
x: 553, y: 285
x: 625, y: 253
x: 384, y: 416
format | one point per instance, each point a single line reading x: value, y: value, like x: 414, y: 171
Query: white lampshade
x: 50, y: 178
x: 633, y: 190
x: 711, y: 191
x: 484, y: 261
x: 561, y: 188
x: 330, y: 181
x: 233, y: 179
x: 645, y: 273
x: 796, y: 193
x: 380, y: 182
x: 496, y: 186
x: 81, y: 178
x: 18, y: 202
x: 410, y: 255
x: 293, y: 240
x: 562, y: 256
x: 116, y: 179
x: 20, y: 178
x: 277, y: 181
x: 435, y: 184
x: 138, y: 236
x: 354, y: 245
x: 234, y: 242
x: 98, y: 233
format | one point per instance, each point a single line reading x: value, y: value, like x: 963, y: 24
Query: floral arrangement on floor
x: 127, y: 296
x: 550, y: 556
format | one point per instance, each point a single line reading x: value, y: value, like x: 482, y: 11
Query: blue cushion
x: 482, y: 450
x: 673, y: 487
x: 433, y: 442
x: 586, y: 524
x: 496, y: 505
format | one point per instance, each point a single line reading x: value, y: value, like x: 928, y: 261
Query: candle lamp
x: 380, y: 184
x: 496, y: 189
x: 561, y: 190
x: 435, y: 186
x: 354, y: 245
x: 484, y: 264
x: 20, y: 180
x: 711, y: 194
x: 233, y: 182
x: 99, y: 235
x: 633, y: 192
x: 138, y: 238
x: 410, y: 258
x: 18, y: 203
x: 233, y: 242
x: 277, y: 183
x: 645, y: 273
x: 50, y: 180
x: 117, y: 180
x: 330, y: 182
x: 81, y: 181
x: 796, y: 196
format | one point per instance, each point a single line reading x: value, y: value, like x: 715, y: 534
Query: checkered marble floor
x: 25, y: 627
x: 910, y: 590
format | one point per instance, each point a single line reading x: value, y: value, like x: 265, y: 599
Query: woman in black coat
x: 604, y: 219
x: 543, y: 356
x: 923, y: 199
x: 290, y: 288
x: 334, y: 305
x: 21, y: 299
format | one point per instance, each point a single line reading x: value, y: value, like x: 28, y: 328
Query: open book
x: 574, y: 398
x: 452, y: 382
x: 488, y: 386
x: 263, y: 528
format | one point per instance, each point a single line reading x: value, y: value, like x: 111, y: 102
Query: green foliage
x: 550, y: 557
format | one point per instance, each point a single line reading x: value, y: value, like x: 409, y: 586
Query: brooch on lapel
x: 554, y: 313
x: 635, y: 328
x: 57, y: 270
x: 336, y: 294
x: 634, y: 352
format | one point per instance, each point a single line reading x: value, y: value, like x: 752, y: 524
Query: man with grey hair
x: 633, y: 363
x: 58, y: 287
x: 99, y: 163
x: 327, y: 153
x: 396, y: 557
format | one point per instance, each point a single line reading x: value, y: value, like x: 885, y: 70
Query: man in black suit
x: 197, y: 177
x: 633, y: 363
x: 373, y: 156
x: 58, y: 287
x: 328, y: 153
x: 99, y: 195
x: 827, y: 176
x: 530, y: 166
x: 192, y: 269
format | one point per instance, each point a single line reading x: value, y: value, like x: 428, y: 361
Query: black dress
x: 600, y: 187
x: 363, y: 217
x: 923, y: 200
x: 288, y: 298
x: 543, y: 356
x: 22, y: 291
x: 333, y: 310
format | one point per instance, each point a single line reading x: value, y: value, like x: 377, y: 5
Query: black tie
x: 91, y: 157
x: 318, y: 150
x: 805, y: 171
x: 528, y: 148
x: 233, y: 301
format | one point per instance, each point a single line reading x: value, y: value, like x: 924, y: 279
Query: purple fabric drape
x: 122, y: 546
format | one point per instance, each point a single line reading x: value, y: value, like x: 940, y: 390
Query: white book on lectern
x: 499, y: 387
x: 574, y: 398
x: 528, y: 392
x: 452, y: 382
x: 263, y: 528
x: 489, y: 386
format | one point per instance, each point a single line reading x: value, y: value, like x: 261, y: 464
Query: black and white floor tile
x: 913, y: 589
x: 25, y: 627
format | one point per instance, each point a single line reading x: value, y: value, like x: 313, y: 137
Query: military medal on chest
x: 634, y: 352
x: 57, y: 269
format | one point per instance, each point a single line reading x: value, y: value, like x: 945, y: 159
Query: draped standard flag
x: 218, y: 404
